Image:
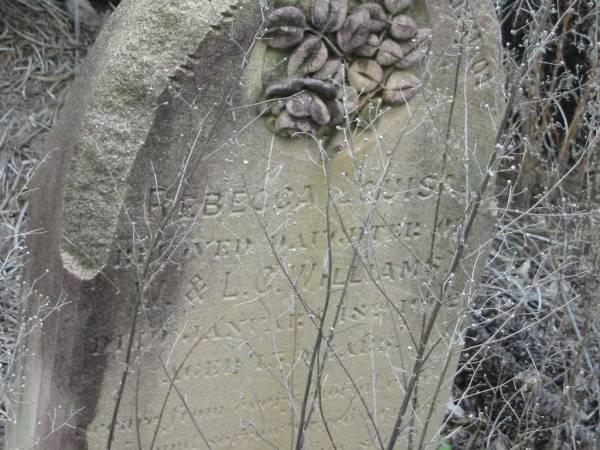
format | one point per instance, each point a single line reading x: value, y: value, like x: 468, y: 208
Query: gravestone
x: 197, y: 230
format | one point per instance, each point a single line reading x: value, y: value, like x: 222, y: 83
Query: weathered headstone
x: 187, y: 243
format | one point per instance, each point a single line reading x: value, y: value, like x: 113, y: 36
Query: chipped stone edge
x: 105, y: 142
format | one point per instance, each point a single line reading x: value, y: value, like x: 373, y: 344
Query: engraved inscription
x: 237, y: 202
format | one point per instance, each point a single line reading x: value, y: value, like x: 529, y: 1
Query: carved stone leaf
x: 316, y: 94
x: 285, y: 88
x: 347, y: 103
x: 403, y: 27
x: 305, y: 126
x: 336, y: 112
x: 287, y: 125
x: 349, y: 98
x: 416, y: 51
x: 377, y: 16
x: 319, y: 112
x: 365, y: 51
x: 365, y: 75
x: 355, y: 31
x: 400, y: 88
x: 284, y: 122
x: 331, y: 70
x: 396, y: 6
x: 299, y: 105
x: 308, y: 57
x: 324, y: 90
x: 412, y: 58
x: 374, y: 40
x: 273, y: 107
x: 328, y: 15
x: 284, y: 27
x: 390, y: 52
x: 370, y: 48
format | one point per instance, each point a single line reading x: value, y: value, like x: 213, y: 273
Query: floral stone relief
x: 340, y: 63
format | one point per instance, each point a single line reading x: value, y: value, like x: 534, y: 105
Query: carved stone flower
x: 340, y: 61
x: 307, y: 105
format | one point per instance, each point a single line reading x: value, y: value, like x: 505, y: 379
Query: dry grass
x: 528, y: 376
x: 529, y: 373
x: 39, y: 55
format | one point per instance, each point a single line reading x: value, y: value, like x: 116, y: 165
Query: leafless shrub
x: 528, y: 373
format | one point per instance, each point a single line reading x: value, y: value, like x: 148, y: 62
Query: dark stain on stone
x: 78, y: 338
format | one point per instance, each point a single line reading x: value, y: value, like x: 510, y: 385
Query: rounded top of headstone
x: 110, y: 110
